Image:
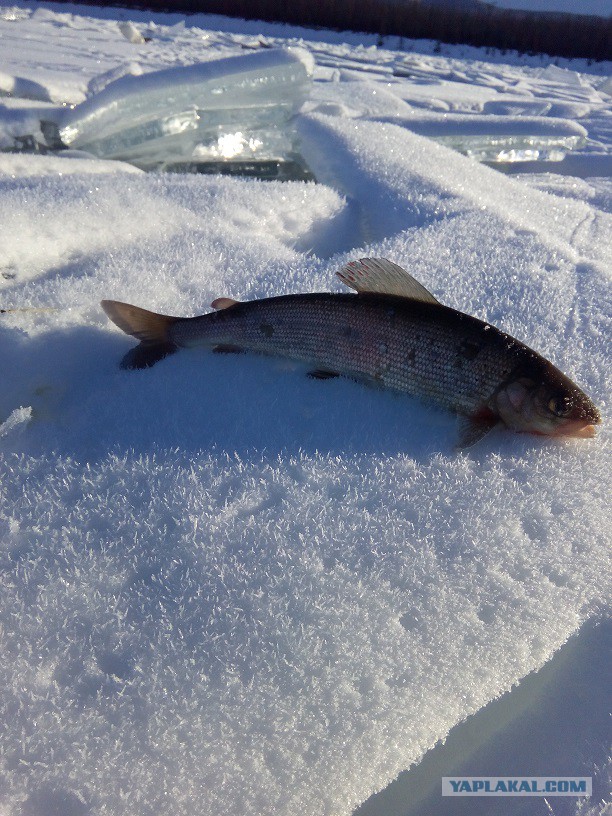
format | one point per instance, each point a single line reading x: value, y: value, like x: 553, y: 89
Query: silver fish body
x: 408, y: 344
x: 425, y: 350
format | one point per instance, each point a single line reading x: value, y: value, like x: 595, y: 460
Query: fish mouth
x: 579, y: 429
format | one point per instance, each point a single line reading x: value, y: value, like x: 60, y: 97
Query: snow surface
x: 230, y: 589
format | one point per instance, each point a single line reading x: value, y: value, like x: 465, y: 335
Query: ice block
x: 230, y: 109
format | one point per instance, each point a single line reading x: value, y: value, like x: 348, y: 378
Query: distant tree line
x: 563, y: 35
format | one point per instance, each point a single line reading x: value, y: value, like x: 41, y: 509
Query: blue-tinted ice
x: 237, y: 109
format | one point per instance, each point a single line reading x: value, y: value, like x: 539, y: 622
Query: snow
x: 231, y: 589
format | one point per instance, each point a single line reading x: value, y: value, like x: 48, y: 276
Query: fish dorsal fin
x: 223, y: 303
x: 383, y: 276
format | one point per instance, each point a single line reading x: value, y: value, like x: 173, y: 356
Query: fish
x: 390, y: 332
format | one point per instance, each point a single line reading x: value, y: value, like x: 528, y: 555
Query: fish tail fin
x: 150, y: 328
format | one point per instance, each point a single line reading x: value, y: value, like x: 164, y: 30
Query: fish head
x: 551, y: 406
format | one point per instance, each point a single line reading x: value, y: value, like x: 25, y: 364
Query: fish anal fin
x: 384, y: 277
x: 471, y: 429
x: 145, y: 355
x: 148, y: 327
x: 322, y: 374
x: 223, y: 303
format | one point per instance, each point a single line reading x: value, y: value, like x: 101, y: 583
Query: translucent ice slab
x: 233, y: 109
x: 513, y: 148
x: 501, y: 138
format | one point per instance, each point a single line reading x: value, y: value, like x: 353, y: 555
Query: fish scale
x: 407, y: 346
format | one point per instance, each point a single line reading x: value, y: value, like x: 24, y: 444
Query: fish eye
x: 560, y: 406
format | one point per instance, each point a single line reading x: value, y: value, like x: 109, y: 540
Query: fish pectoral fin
x: 223, y: 303
x: 385, y: 277
x: 471, y: 429
x: 322, y: 374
